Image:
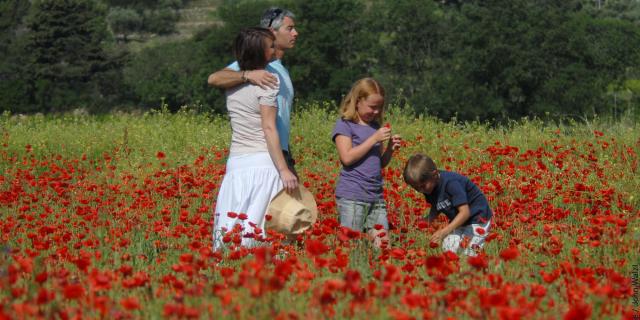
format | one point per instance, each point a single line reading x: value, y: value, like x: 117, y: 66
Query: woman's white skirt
x: 249, y: 184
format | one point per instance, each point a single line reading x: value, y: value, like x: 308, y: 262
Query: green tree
x: 408, y: 49
x: 124, y: 21
x: 14, y: 84
x: 628, y: 10
x: 65, y: 42
x: 126, y: 17
x: 160, y: 21
x: 177, y: 72
x: 517, y: 58
x: 334, y: 47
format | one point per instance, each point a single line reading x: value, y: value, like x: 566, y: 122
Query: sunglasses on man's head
x: 274, y: 15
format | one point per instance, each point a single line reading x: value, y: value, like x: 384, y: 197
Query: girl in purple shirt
x: 359, y: 139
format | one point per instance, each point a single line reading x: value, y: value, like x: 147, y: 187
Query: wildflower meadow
x: 110, y: 217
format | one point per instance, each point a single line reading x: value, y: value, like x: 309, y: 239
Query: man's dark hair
x: 249, y: 48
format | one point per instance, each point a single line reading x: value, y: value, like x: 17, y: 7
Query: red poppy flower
x: 73, y: 291
x: 41, y: 277
x: 130, y: 303
x: 44, y: 296
x: 398, y: 253
x: 316, y: 248
x: 478, y: 262
x: 509, y: 253
x: 537, y: 290
x: 226, y: 272
x: 578, y: 312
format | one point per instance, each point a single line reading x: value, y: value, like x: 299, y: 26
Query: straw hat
x: 292, y: 213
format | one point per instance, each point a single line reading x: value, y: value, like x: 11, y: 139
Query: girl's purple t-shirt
x: 363, y: 179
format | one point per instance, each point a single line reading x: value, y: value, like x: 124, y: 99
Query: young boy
x: 457, y: 197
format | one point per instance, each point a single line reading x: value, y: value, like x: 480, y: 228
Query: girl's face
x: 370, y: 108
x: 269, y: 49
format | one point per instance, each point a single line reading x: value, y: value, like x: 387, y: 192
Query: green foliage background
x: 466, y: 59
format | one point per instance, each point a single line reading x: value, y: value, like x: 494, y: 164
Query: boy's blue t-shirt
x: 454, y: 190
x: 284, y: 100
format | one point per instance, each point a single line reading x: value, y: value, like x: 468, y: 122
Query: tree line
x: 468, y: 59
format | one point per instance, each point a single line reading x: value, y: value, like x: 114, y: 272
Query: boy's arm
x: 432, y: 214
x: 228, y: 78
x: 463, y: 215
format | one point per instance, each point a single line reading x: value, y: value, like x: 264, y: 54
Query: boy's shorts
x: 362, y: 215
x: 476, y: 233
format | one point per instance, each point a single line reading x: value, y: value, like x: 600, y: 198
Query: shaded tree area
x: 130, y: 16
x: 628, y: 10
x: 55, y: 58
x: 496, y: 59
x: 14, y: 84
x: 469, y: 59
x: 67, y: 61
x: 333, y: 48
x: 176, y: 73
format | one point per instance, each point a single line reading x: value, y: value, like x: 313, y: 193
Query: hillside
x: 195, y: 16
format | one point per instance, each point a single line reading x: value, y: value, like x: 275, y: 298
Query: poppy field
x: 110, y: 217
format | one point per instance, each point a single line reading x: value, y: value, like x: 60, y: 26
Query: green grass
x: 120, y: 152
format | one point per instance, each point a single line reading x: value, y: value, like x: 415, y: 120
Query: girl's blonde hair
x: 361, y: 90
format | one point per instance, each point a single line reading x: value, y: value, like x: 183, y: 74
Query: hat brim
x: 300, y: 194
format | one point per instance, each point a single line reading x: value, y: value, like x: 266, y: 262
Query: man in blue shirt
x: 281, y: 23
x: 455, y: 196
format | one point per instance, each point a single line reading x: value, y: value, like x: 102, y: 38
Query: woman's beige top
x: 243, y: 105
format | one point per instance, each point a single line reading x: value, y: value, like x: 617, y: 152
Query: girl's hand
x: 289, y: 180
x: 395, y: 142
x: 383, y: 134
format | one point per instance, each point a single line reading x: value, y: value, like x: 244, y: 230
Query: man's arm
x: 228, y: 78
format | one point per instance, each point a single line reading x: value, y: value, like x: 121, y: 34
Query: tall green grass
x: 185, y: 135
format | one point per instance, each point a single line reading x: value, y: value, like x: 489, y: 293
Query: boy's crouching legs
x: 470, y: 237
x: 478, y: 234
x: 452, y: 241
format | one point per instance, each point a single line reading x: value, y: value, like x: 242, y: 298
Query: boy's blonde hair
x: 360, y: 90
x: 419, y: 169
